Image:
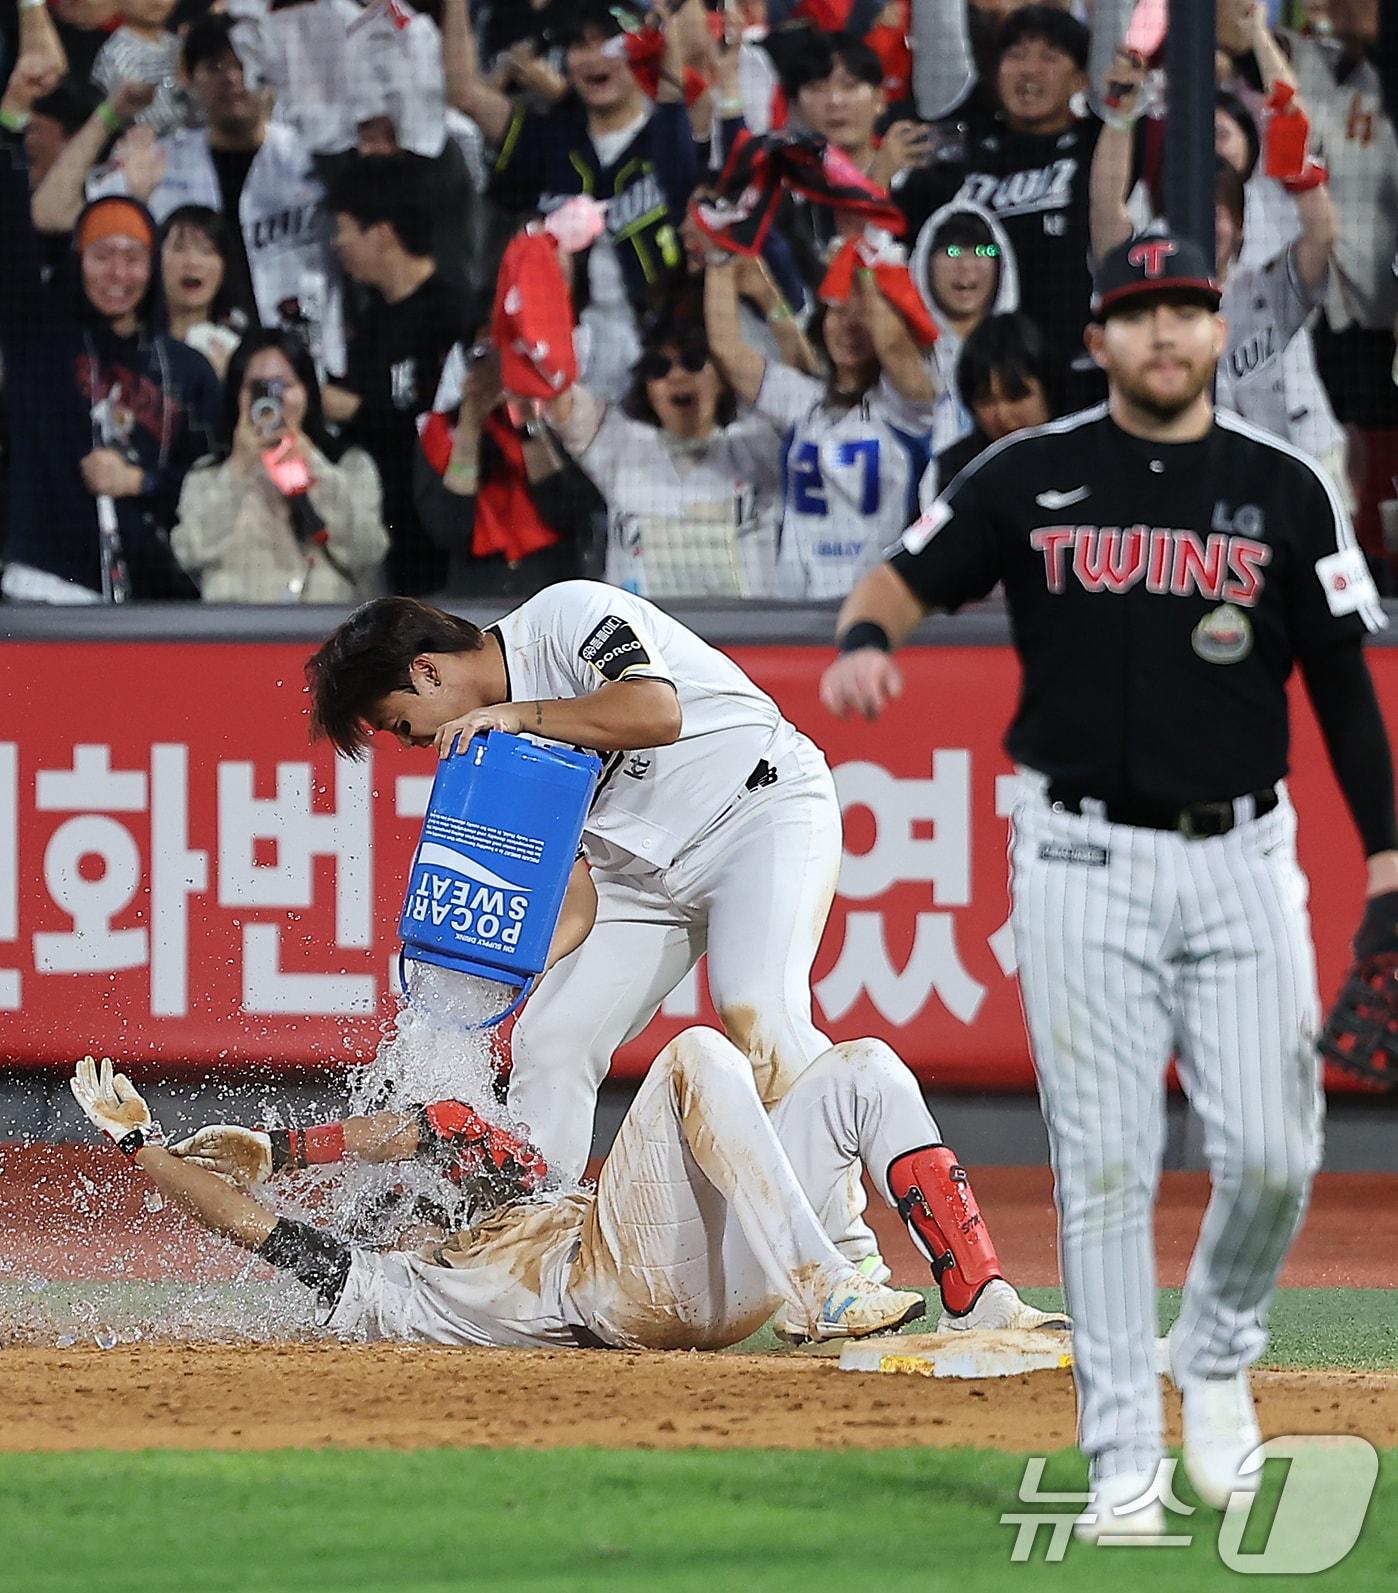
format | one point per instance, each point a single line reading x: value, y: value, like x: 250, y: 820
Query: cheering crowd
x: 314, y: 301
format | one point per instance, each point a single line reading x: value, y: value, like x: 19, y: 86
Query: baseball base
x: 962, y: 1355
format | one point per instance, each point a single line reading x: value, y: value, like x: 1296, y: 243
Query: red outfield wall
x: 182, y: 878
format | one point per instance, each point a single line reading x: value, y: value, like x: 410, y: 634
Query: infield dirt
x: 272, y: 1396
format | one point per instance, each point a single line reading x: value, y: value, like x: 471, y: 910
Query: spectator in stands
x: 144, y: 50
x: 83, y: 28
x: 56, y: 117
x: 106, y: 411
x: 195, y: 248
x: 256, y: 172
x: 693, y: 490
x: 494, y: 489
x: 1264, y: 307
x: 1007, y: 379
x: 965, y: 270
x: 607, y: 139
x: 398, y: 345
x: 835, y: 83
x: 1347, y: 77
x: 858, y: 443
x: 1030, y: 165
x: 285, y: 515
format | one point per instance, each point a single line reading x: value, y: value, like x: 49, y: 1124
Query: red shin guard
x: 933, y: 1196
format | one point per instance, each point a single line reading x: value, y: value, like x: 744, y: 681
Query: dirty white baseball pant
x: 1134, y: 943
x: 755, y: 891
x: 700, y: 1228
x: 858, y: 1106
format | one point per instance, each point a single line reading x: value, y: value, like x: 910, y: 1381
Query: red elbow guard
x: 933, y: 1195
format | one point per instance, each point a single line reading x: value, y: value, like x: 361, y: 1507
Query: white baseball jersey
x: 684, y: 518
x: 854, y: 479
x: 577, y: 636
x: 709, y: 1214
x: 285, y: 226
x: 1265, y: 307
x: 1351, y: 133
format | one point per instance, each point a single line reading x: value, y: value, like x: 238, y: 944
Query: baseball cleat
x: 858, y: 1308
x: 1221, y: 1437
x: 1122, y: 1509
x: 789, y: 1332
x: 997, y: 1307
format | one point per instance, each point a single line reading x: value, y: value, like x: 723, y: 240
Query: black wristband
x: 130, y: 1143
x: 865, y: 633
x: 283, y: 1148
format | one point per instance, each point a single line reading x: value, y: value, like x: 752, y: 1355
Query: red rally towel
x: 892, y: 277
x: 507, y: 523
x: 532, y: 324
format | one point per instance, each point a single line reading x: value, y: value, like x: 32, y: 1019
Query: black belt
x: 1196, y: 820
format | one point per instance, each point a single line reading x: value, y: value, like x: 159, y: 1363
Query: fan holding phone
x: 285, y: 516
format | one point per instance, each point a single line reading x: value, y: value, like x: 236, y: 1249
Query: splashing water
x: 149, y: 1280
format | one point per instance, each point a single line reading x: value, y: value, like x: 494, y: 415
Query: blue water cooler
x: 491, y: 869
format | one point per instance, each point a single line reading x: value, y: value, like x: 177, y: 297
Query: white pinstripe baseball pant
x: 1133, y: 944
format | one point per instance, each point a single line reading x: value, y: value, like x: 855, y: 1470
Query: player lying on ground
x: 702, y: 1224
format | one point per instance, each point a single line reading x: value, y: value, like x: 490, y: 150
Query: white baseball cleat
x: 997, y: 1307
x: 874, y: 1268
x: 1122, y: 1509
x: 858, y: 1307
x: 1221, y: 1437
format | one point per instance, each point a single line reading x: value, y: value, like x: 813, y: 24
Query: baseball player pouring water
x: 1164, y: 568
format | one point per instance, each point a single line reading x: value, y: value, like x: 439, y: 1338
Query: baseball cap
x: 1154, y: 263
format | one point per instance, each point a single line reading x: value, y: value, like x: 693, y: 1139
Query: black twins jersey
x: 1158, y: 595
x: 1036, y: 186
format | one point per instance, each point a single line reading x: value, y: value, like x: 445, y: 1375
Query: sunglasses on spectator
x: 657, y: 365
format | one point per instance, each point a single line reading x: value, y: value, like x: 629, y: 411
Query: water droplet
x: 66, y: 1341
x: 38, y: 1285
x: 153, y: 1200
x: 104, y: 1337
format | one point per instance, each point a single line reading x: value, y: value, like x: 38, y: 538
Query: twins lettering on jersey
x: 614, y: 648
x: 1220, y: 567
x: 1023, y: 193
x: 300, y: 222
x: 1252, y: 354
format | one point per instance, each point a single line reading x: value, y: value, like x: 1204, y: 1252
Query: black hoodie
x: 61, y: 356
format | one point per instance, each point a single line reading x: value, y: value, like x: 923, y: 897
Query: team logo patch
x: 614, y: 648
x: 1346, y: 580
x: 1223, y: 636
x: 1073, y: 852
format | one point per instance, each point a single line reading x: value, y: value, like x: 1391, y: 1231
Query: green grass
x: 512, y: 1520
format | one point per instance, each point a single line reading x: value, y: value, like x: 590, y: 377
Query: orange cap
x: 115, y: 218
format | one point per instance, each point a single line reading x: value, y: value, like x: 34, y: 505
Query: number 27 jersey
x: 853, y: 479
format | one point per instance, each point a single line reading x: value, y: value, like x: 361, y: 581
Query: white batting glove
x: 111, y: 1102
x: 242, y: 1156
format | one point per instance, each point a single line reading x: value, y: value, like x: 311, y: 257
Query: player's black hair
x: 370, y: 655
x: 1228, y: 190
x: 214, y: 225
x: 208, y: 39
x: 1233, y: 108
x: 593, y: 19
x: 1012, y: 348
x: 387, y: 188
x: 1050, y: 26
x: 683, y: 337
x: 816, y: 55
